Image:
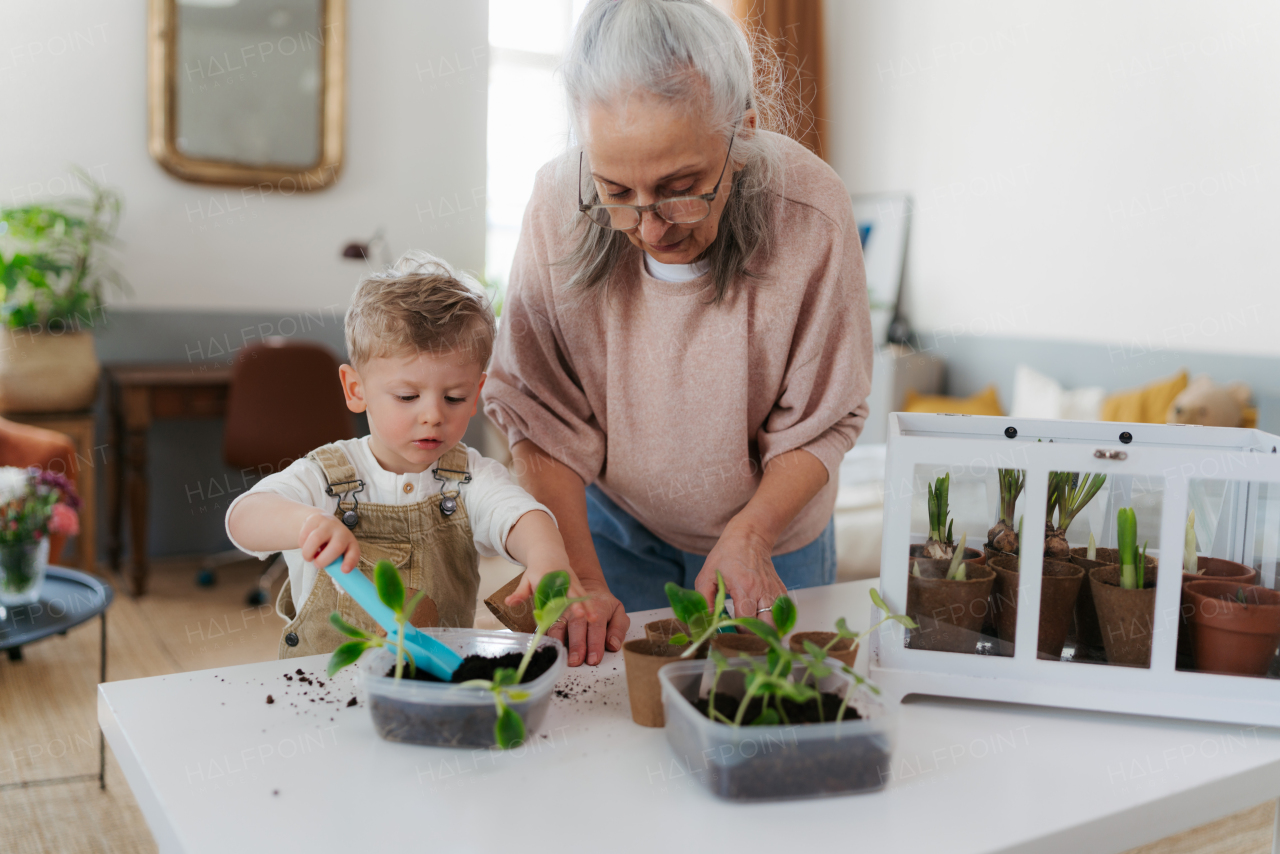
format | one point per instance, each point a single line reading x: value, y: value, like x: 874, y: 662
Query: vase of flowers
x: 33, y: 505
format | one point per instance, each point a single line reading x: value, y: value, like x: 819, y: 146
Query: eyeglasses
x: 680, y: 210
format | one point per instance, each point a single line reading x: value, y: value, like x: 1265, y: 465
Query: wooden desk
x: 79, y: 428
x: 139, y: 394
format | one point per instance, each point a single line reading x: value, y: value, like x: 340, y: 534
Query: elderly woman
x: 685, y: 348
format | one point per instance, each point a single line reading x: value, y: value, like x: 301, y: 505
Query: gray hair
x: 689, y: 53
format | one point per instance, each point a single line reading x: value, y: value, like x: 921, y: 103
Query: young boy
x: 409, y: 492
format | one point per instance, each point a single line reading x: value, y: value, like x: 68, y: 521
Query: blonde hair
x: 420, y: 303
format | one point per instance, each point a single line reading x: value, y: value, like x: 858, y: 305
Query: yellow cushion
x: 1146, y: 405
x: 984, y: 402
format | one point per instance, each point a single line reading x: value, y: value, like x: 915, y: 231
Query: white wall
x: 72, y: 86
x: 1094, y: 170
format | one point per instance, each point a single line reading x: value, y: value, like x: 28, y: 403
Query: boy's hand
x: 323, y: 539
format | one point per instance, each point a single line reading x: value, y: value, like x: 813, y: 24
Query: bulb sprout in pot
x: 1069, y: 493
x: 1003, y: 537
x: 1190, y: 563
x: 940, y: 545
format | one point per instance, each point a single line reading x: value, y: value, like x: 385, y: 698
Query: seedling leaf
x: 679, y: 639
x: 769, y: 717
x: 760, y: 628
x: 346, y: 628
x: 879, y: 603
x: 554, y: 585
x: 346, y: 654
x: 784, y: 614
x: 390, y: 588
x: 508, y: 731
x: 687, y: 604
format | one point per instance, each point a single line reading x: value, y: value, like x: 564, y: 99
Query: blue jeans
x: 637, y: 565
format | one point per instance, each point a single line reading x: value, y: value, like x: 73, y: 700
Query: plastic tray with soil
x: 801, y: 759
x: 426, y: 711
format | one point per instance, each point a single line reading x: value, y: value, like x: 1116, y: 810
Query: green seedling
x: 1189, y: 562
x: 956, y: 572
x: 386, y: 579
x: 941, y: 542
x: 1002, y: 536
x: 550, y: 600
x: 768, y: 677
x: 690, y: 608
x: 1091, y: 552
x: 1133, y: 562
x: 1240, y: 597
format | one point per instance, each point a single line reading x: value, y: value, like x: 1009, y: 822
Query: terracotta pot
x: 1059, y: 585
x: 950, y: 613
x: 971, y: 555
x: 1229, y: 637
x: 1125, y: 616
x: 46, y: 371
x: 731, y: 644
x: 1210, y: 569
x: 1217, y: 569
x: 1088, y: 632
x: 844, y: 651
x: 642, y: 659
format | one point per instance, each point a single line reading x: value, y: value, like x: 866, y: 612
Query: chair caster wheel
x: 256, y: 597
x: 206, y: 578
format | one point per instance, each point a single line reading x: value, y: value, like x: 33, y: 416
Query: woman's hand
x: 604, y: 625
x: 742, y: 557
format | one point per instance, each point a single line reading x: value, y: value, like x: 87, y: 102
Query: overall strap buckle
x: 449, y: 501
x: 351, y: 517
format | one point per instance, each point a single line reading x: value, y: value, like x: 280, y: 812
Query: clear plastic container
x: 759, y: 763
x: 439, y: 714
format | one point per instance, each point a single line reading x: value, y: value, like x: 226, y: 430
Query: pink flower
x: 64, y: 520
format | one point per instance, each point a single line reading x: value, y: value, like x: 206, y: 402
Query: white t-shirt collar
x: 675, y: 272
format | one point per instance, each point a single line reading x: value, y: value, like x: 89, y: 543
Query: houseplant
x: 482, y: 705
x: 55, y: 264
x: 1196, y: 567
x: 940, y: 542
x: 1125, y: 597
x: 1235, y: 627
x: 1069, y: 493
x: 791, y: 726
x: 1003, y: 536
x: 33, y: 505
x: 949, y: 600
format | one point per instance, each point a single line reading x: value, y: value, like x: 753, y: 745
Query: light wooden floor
x: 48, y: 711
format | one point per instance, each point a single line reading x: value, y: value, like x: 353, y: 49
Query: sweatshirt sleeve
x: 533, y: 391
x: 823, y: 406
x: 494, y: 504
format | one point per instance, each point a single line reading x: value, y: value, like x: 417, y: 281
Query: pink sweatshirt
x: 672, y: 404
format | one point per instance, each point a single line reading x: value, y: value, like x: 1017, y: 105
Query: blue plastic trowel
x: 427, y: 652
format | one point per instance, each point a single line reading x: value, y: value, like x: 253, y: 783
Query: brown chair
x: 285, y: 401
x: 23, y: 445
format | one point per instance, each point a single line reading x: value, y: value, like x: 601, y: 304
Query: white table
x: 216, y: 769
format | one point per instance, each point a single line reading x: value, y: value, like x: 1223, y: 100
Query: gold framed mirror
x: 247, y: 92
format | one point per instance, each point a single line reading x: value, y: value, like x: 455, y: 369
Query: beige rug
x: 48, y: 713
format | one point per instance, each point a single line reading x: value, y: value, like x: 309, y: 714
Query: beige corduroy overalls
x: 434, y: 551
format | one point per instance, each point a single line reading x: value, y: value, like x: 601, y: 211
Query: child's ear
x: 479, y: 389
x: 352, y: 388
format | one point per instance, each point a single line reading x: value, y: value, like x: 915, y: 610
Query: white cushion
x: 1038, y: 396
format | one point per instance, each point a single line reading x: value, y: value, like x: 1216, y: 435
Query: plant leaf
x: 879, y: 603
x: 784, y: 614
x: 815, y: 652
x: 904, y: 620
x: 504, y: 676
x: 515, y: 695
x: 719, y: 609
x: 679, y: 639
x: 842, y: 629
x: 759, y: 628
x: 508, y: 730
x: 346, y: 628
x: 346, y: 654
x: 390, y: 588
x: 554, y: 585
x: 689, y: 605
x: 769, y: 717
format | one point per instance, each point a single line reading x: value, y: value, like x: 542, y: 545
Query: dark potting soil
x: 796, y: 713
x: 774, y: 764
x: 483, y: 667
x: 461, y: 725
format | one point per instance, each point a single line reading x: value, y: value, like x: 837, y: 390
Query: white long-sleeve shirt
x: 494, y: 502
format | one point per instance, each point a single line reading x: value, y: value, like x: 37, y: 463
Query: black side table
x: 67, y: 599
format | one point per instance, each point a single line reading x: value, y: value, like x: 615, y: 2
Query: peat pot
x: 1126, y: 617
x: 950, y: 613
x: 1059, y: 585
